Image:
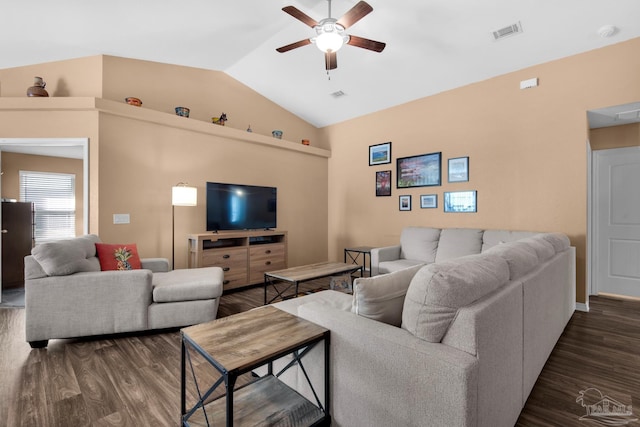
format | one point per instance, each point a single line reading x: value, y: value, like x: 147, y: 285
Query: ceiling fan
x: 330, y: 32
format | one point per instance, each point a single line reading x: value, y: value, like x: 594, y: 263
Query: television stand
x: 244, y: 256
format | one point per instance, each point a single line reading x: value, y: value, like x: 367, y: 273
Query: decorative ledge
x: 146, y: 115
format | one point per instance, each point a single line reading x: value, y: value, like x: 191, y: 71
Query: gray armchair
x: 67, y: 295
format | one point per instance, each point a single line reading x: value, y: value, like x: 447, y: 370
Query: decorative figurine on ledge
x: 219, y: 120
x: 38, y: 88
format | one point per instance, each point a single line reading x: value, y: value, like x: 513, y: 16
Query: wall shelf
x: 121, y: 109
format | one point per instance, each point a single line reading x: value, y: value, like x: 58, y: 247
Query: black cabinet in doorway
x: 17, y: 241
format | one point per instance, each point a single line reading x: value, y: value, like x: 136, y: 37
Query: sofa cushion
x: 438, y: 290
x: 381, y: 297
x: 118, y: 256
x: 520, y: 256
x: 541, y: 246
x: 397, y: 265
x: 491, y: 238
x: 419, y: 243
x: 559, y: 241
x: 458, y: 242
x: 188, y: 284
x: 64, y: 257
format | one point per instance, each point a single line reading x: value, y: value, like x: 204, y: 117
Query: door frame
x: 589, y: 283
x: 592, y: 217
x: 49, y: 143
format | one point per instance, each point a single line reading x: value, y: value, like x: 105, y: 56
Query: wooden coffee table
x: 241, y: 343
x: 296, y: 275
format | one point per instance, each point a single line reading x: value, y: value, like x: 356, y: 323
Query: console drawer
x: 233, y: 262
x: 265, y: 258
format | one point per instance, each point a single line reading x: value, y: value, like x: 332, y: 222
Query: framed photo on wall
x: 458, y: 169
x: 380, y: 154
x: 419, y: 171
x: 460, y: 201
x: 429, y: 201
x: 405, y: 203
x: 383, y: 183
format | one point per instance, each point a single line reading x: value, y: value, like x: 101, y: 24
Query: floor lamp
x: 181, y: 195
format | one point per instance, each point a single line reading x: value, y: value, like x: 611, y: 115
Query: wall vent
x: 338, y: 94
x: 628, y: 115
x: 509, y: 31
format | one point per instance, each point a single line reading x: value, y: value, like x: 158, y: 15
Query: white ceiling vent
x: 338, y: 94
x: 628, y: 115
x: 511, y: 30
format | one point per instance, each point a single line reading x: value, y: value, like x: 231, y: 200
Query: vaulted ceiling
x: 432, y: 46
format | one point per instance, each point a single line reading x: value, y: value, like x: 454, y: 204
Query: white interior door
x: 617, y: 234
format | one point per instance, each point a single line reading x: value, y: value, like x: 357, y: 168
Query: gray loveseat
x: 67, y: 295
x: 455, y: 342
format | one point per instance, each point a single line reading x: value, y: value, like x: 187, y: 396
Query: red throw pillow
x: 118, y: 257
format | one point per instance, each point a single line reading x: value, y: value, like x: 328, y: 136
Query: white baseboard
x: 580, y: 306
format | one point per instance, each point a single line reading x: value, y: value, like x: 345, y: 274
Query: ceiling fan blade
x: 330, y: 61
x: 366, y: 43
x: 291, y: 46
x: 300, y: 16
x: 355, y: 14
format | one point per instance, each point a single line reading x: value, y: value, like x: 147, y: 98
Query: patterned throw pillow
x: 118, y: 257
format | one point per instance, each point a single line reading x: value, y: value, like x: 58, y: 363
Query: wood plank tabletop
x: 246, y: 340
x: 312, y: 271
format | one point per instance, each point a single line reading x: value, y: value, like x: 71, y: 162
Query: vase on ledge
x: 38, y: 88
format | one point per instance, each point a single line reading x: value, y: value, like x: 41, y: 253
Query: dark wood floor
x: 134, y: 380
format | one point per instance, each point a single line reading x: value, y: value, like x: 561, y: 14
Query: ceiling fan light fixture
x: 331, y: 36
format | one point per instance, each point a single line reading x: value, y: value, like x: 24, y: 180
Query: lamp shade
x: 182, y: 195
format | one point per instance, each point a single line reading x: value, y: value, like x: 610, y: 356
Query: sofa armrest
x: 386, y: 253
x: 85, y: 304
x: 369, y: 359
x: 156, y: 265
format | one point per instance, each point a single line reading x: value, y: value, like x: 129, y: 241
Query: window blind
x: 54, y: 201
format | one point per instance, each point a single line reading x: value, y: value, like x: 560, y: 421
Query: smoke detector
x: 607, y: 31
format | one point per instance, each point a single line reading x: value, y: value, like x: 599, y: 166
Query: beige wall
x: 162, y: 87
x: 140, y: 162
x: 526, y: 148
x: 615, y: 137
x: 13, y: 163
x: 134, y: 163
x: 74, y: 77
x: 527, y: 151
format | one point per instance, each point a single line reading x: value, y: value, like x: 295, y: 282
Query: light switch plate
x: 121, y: 219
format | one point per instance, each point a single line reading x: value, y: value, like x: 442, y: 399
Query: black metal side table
x: 354, y: 253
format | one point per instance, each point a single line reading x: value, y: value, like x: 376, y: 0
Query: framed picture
x: 405, y: 203
x: 419, y: 171
x: 428, y: 201
x: 380, y: 154
x: 383, y: 183
x: 458, y: 169
x: 460, y: 201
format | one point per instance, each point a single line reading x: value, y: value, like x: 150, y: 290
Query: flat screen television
x: 240, y: 207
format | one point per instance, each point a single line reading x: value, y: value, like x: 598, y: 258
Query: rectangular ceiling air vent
x: 511, y: 30
x: 338, y: 94
x: 628, y: 115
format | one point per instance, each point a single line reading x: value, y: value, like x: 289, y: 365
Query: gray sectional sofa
x: 67, y: 295
x: 455, y: 334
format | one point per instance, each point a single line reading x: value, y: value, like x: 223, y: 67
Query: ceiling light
x: 330, y: 36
